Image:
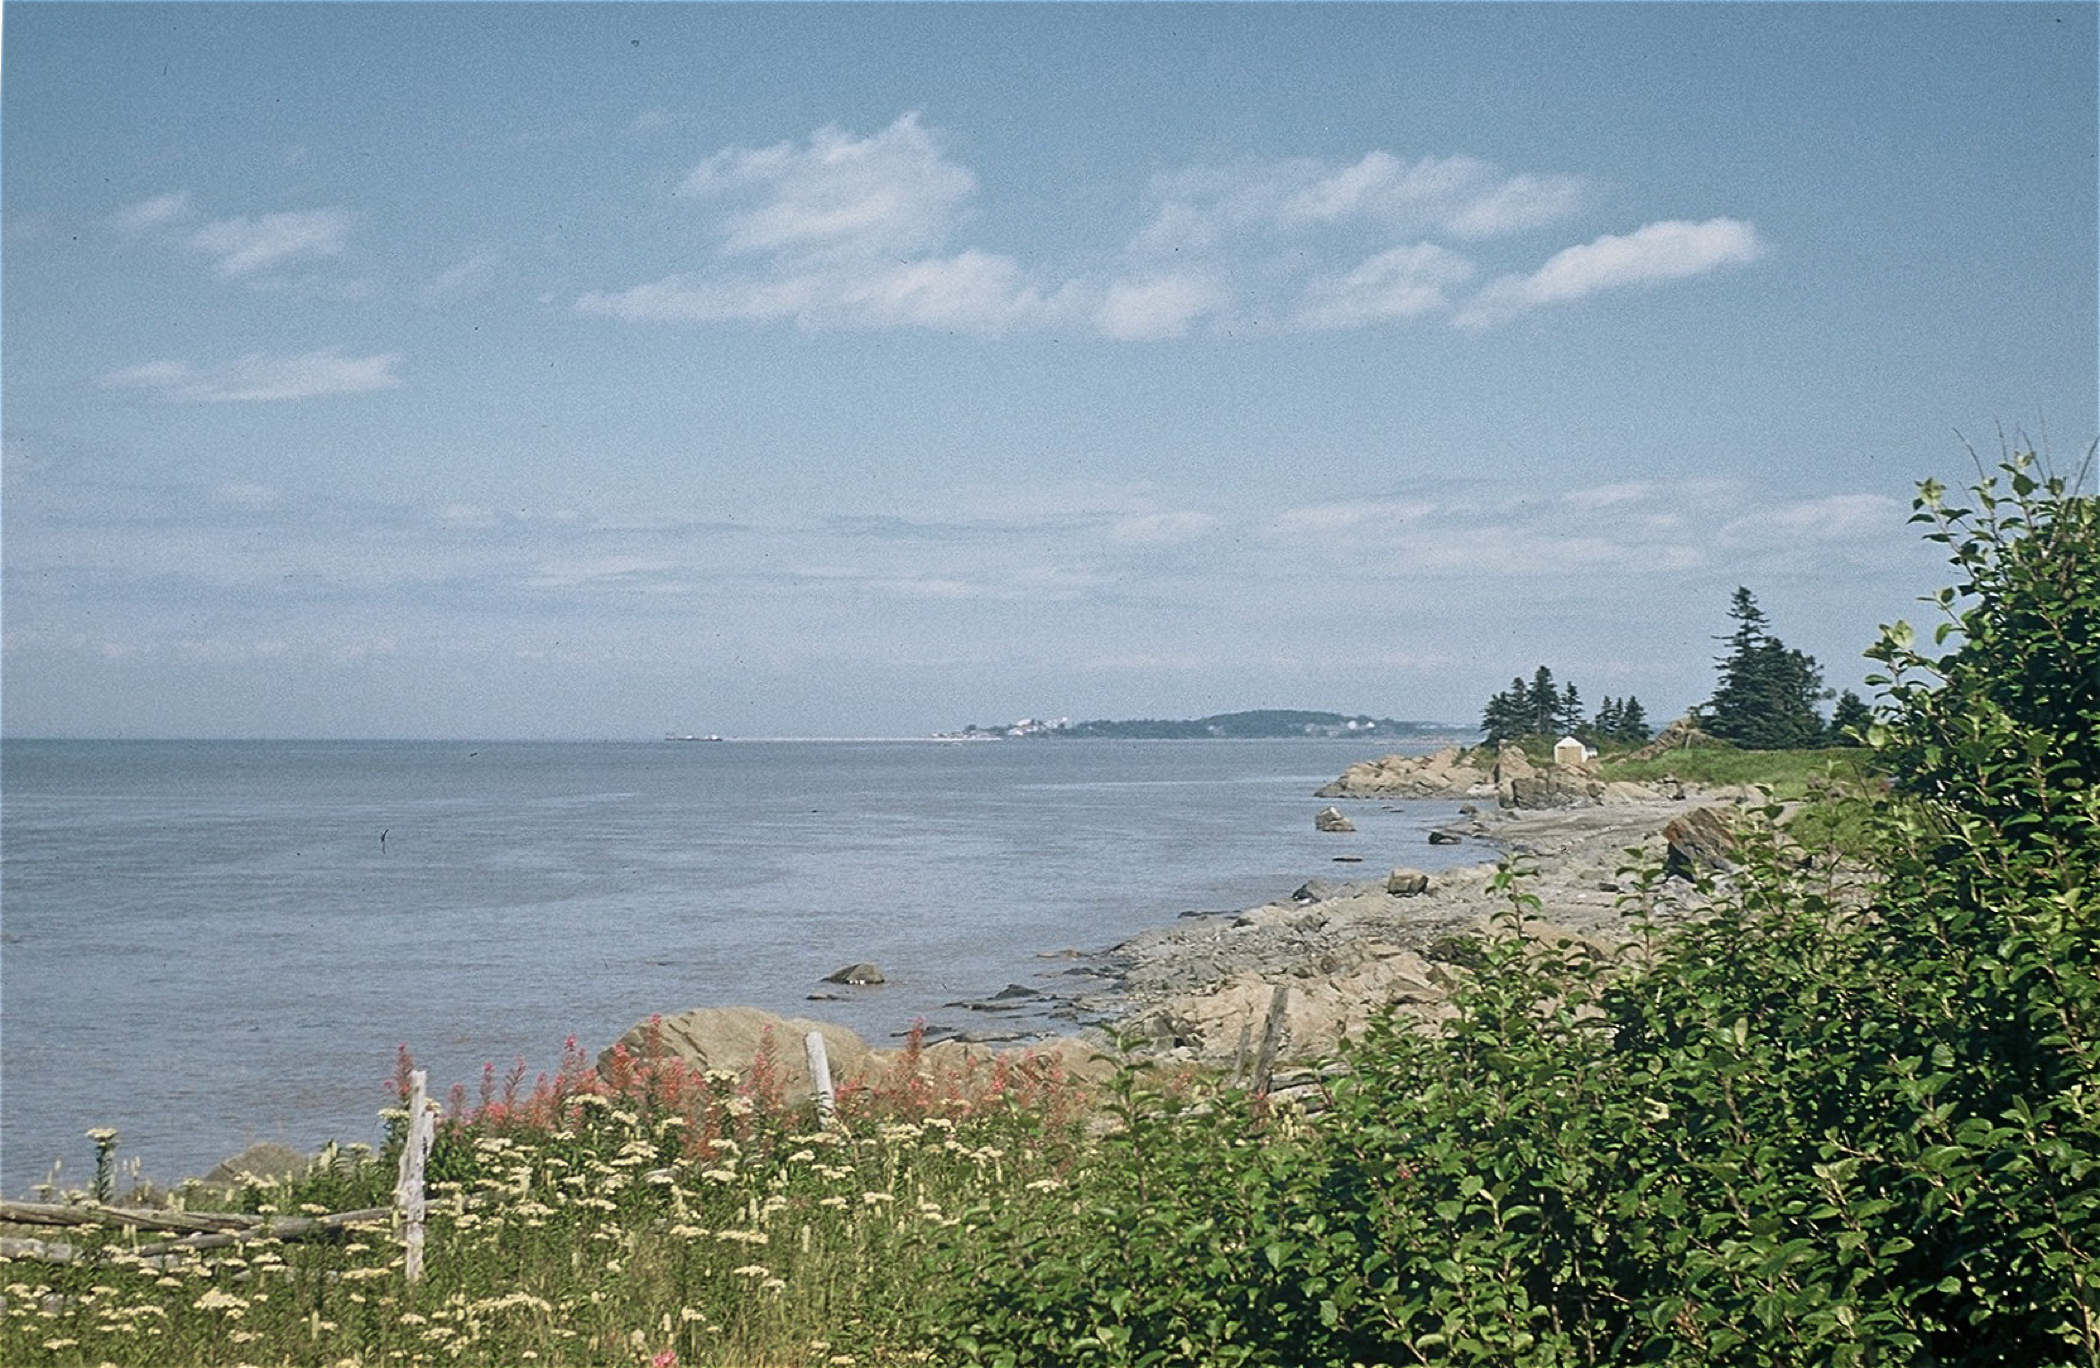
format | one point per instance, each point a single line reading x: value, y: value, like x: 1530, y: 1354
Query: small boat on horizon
x: 710, y: 737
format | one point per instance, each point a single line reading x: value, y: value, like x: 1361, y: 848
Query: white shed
x: 1569, y: 751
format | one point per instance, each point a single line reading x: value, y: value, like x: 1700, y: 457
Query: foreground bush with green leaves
x: 1805, y: 1127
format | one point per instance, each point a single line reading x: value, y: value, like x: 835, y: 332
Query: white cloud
x: 1399, y: 283
x: 257, y: 377
x: 840, y: 232
x: 849, y: 231
x: 1158, y: 306
x: 891, y: 194
x: 245, y: 247
x: 149, y: 214
x: 1838, y: 518
x: 1457, y: 196
x: 470, y: 277
x: 1669, y: 250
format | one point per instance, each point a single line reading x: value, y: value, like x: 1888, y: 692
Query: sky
x: 609, y: 371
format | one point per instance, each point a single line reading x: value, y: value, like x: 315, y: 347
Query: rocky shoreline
x: 1199, y: 990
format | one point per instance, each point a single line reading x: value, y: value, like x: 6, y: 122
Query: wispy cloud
x: 1399, y: 283
x: 846, y: 231
x: 148, y: 215
x: 1670, y: 250
x: 257, y: 377
x: 246, y: 247
x: 838, y: 232
x: 1455, y: 196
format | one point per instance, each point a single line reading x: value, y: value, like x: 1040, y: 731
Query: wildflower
x: 877, y: 1198
x: 802, y: 1156
x: 835, y: 1202
x: 752, y: 1271
x: 667, y: 1358
x: 216, y: 1300
x: 719, y: 1175
x: 54, y: 1345
x: 1045, y: 1185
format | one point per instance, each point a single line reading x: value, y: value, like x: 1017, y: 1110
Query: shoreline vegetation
x: 1764, y: 1058
x: 1258, y: 724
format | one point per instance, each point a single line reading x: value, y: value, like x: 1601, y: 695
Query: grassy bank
x: 656, y: 1216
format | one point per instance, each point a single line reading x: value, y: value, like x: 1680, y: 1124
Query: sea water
x: 205, y: 944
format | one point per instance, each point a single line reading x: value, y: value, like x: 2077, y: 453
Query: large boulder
x: 1331, y: 819
x: 1700, y: 842
x: 732, y: 1039
x: 267, y: 1161
x: 1331, y: 997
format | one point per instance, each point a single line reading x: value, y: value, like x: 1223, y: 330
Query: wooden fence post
x: 1271, y: 1039
x: 408, y: 1192
x: 820, y: 1076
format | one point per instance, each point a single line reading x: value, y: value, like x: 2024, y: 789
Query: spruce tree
x: 1768, y: 694
x: 1849, y: 720
x: 1545, y: 702
x: 1633, y: 722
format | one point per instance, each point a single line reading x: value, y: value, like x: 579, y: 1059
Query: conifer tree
x: 1849, y: 720
x: 1768, y: 694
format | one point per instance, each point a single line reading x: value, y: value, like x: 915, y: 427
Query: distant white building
x: 1569, y: 751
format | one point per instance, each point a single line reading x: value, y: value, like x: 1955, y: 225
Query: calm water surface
x: 208, y: 943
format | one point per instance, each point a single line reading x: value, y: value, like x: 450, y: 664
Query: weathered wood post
x: 820, y: 1076
x: 1271, y: 1039
x: 408, y: 1191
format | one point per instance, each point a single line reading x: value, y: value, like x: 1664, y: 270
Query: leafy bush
x: 1809, y: 1125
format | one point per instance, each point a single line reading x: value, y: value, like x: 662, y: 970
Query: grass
x: 1791, y: 775
x: 655, y: 1216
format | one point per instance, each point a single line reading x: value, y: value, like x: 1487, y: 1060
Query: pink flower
x: 666, y: 1359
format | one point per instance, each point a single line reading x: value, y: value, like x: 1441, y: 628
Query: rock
x: 1560, y: 788
x: 1437, y: 775
x: 1700, y: 842
x: 1511, y: 764
x: 1406, y: 883
x: 865, y: 974
x: 1331, y: 819
x: 1679, y: 735
x: 1313, y: 890
x: 732, y: 1039
x: 267, y: 1161
x: 1445, y: 836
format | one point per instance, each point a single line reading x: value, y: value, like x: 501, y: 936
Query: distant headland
x: 1260, y: 724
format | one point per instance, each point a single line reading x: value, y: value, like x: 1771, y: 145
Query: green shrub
x: 1805, y: 1126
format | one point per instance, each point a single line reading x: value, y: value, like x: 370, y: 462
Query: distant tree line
x: 1766, y: 699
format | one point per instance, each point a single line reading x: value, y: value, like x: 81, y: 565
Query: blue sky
x: 604, y: 370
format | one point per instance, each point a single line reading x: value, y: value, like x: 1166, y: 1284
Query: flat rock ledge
x: 1199, y: 990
